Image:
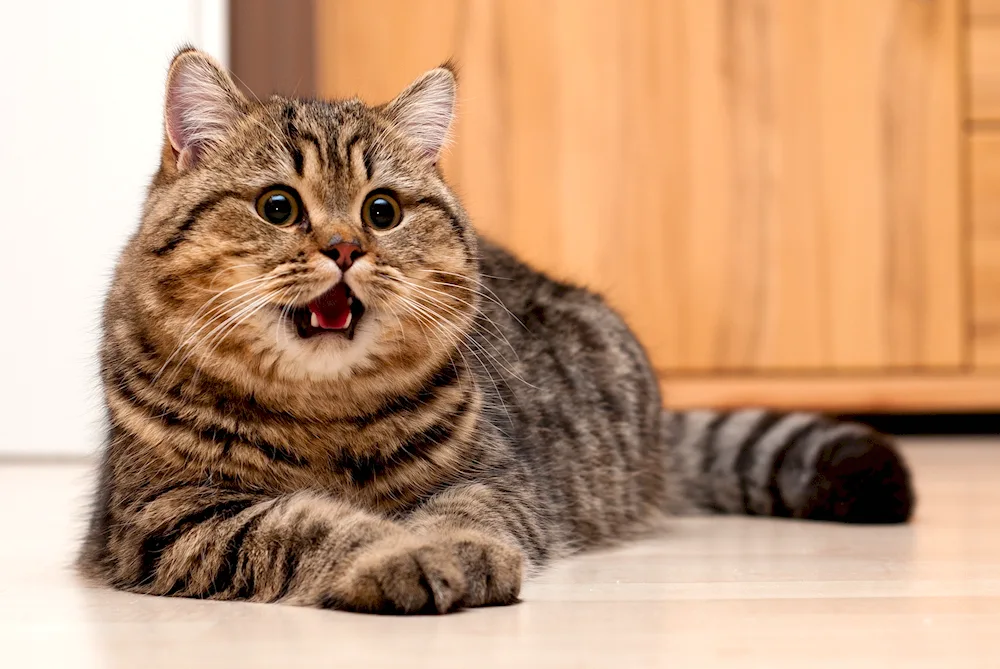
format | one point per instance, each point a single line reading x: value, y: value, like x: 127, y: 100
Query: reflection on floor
x: 727, y: 592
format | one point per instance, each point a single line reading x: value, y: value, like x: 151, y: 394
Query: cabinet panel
x: 984, y: 70
x: 757, y: 185
x: 984, y: 193
x: 979, y: 10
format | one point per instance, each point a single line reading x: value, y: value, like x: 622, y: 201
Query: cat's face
x: 316, y: 239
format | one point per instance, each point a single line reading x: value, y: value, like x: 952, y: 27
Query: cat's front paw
x: 434, y: 573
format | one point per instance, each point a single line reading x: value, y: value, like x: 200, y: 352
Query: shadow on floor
x: 966, y: 424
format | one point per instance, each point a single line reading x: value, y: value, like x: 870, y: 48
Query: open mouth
x: 336, y: 311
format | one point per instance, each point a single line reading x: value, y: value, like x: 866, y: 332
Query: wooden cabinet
x: 983, y: 151
x: 793, y: 202
x: 984, y: 191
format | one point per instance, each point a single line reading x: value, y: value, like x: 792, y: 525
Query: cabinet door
x: 758, y: 185
x: 983, y: 142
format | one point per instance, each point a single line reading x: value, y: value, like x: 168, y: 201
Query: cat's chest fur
x: 384, y: 453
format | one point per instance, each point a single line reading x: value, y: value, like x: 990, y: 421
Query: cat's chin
x: 323, y: 356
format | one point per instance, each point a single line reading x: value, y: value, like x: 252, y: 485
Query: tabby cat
x: 324, y: 388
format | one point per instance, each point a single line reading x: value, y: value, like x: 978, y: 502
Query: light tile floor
x: 727, y: 592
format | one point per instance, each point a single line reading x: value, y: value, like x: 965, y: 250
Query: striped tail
x: 794, y: 465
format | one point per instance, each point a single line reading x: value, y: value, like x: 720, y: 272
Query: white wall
x: 80, y: 128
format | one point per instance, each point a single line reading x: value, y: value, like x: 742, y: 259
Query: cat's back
x: 571, y: 366
x: 548, y: 318
x: 579, y: 395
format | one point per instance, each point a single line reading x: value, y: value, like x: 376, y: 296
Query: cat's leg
x: 796, y: 465
x: 462, y: 548
x: 303, y: 549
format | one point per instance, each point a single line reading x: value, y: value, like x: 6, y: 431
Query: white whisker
x: 256, y: 286
x: 461, y: 338
x: 493, y: 297
x: 423, y: 290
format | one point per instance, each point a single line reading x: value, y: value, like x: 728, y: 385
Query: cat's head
x: 311, y: 238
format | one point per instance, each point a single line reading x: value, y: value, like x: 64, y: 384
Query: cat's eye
x: 279, y: 205
x: 381, y: 210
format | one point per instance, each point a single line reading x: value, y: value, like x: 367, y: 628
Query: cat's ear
x: 202, y: 103
x: 424, y: 111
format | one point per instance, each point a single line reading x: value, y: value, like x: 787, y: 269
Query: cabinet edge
x: 842, y: 394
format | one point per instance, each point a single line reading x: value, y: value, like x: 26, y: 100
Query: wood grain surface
x: 759, y: 185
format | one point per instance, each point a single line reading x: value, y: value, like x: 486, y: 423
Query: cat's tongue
x: 332, y: 309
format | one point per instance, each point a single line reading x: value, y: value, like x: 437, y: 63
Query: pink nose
x: 344, y: 254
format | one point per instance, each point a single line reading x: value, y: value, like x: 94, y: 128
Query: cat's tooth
x: 350, y: 300
x: 313, y: 321
x: 347, y: 323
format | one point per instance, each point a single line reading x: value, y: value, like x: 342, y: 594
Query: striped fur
x: 483, y: 421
